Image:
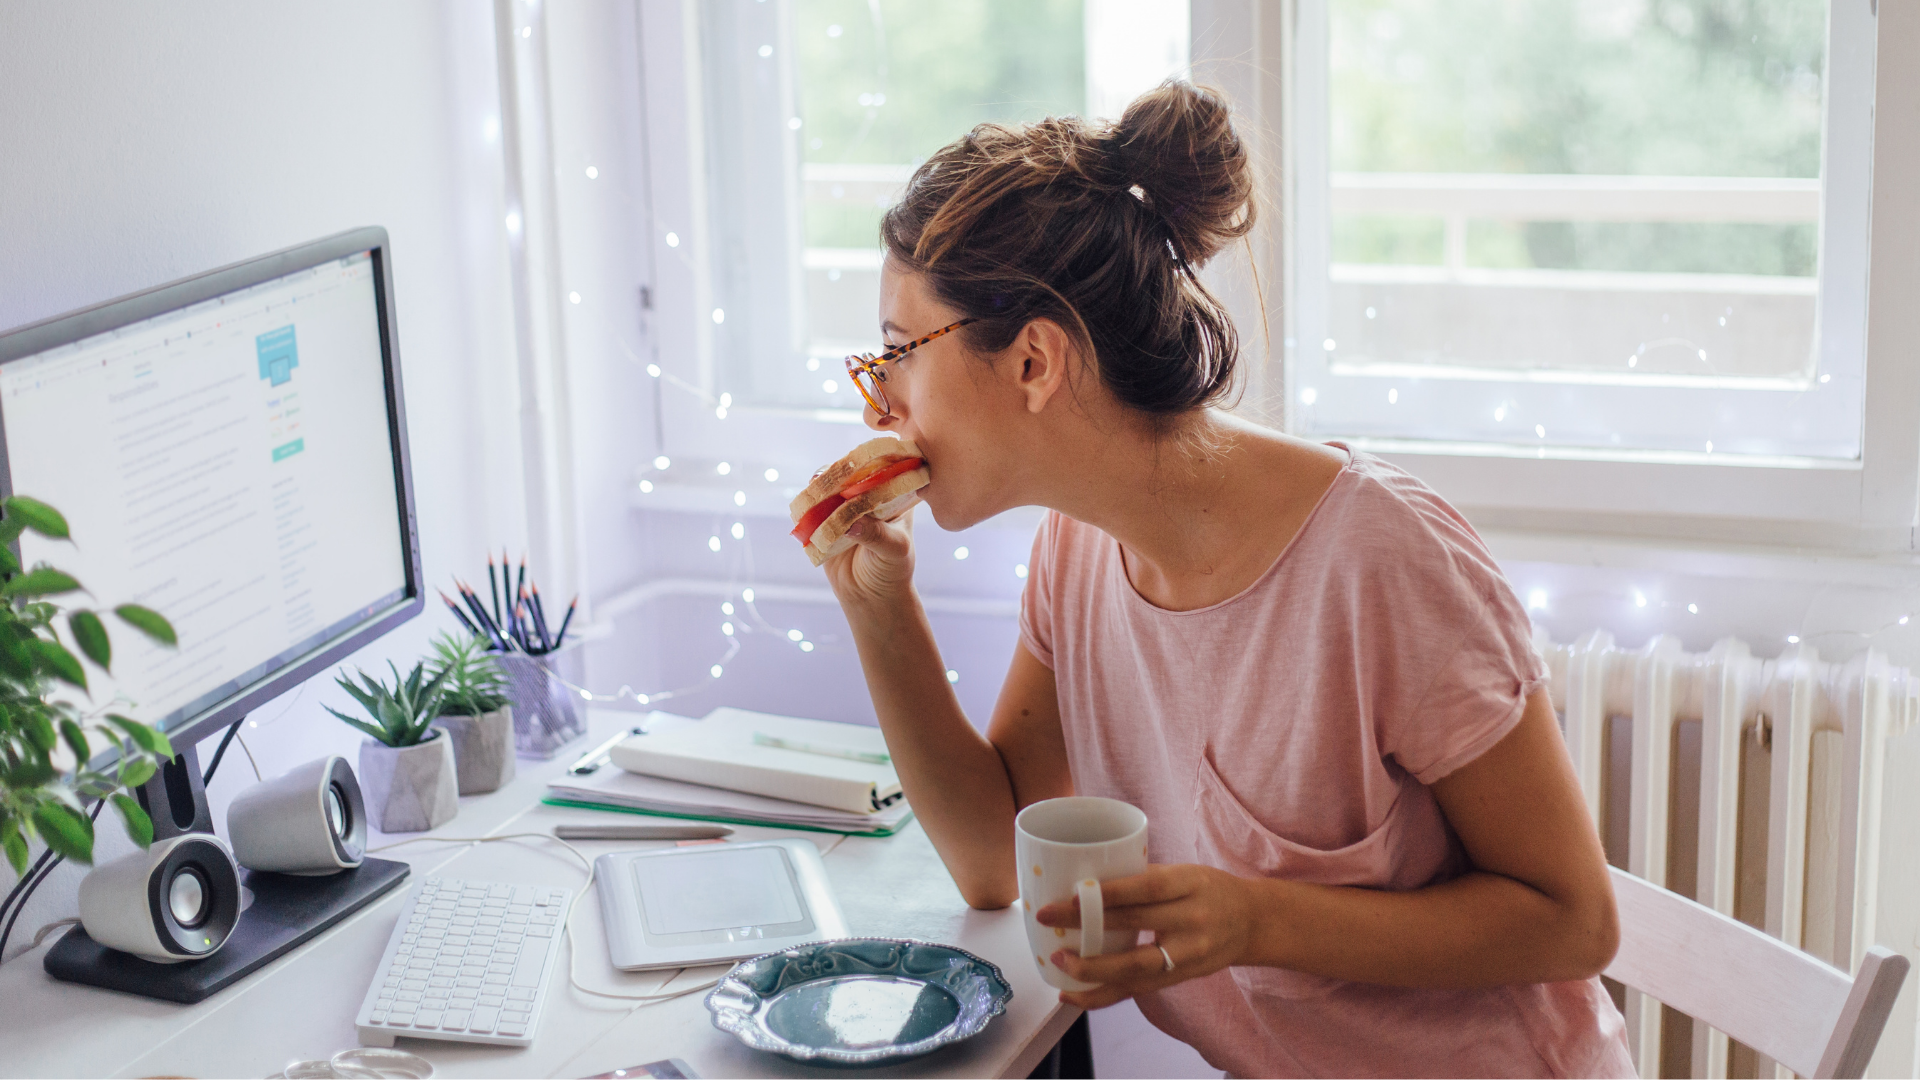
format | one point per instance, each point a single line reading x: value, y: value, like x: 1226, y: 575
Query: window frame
x: 1248, y: 48
x: 1864, y: 504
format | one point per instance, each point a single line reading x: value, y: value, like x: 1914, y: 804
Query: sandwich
x: 881, y: 478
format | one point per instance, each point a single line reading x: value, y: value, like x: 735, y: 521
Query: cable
x: 21, y: 905
x: 573, y: 945
x: 31, y: 871
x: 247, y: 750
x: 40, y: 935
x: 214, y: 766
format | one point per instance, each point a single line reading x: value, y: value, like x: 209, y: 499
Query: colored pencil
x: 458, y: 614
x: 540, y: 620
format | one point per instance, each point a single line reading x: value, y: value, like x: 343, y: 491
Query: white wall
x: 143, y: 143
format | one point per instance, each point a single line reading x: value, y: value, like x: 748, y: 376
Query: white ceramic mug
x: 1066, y: 848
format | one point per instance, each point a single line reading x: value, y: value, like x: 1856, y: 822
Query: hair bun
x: 1098, y: 227
x: 1176, y: 143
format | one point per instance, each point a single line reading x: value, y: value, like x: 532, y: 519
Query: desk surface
x: 302, y: 1005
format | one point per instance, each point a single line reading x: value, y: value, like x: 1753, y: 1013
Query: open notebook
x: 837, y: 766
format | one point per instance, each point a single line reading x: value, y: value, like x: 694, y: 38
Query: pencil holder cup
x: 546, y: 712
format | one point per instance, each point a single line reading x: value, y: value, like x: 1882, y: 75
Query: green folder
x: 876, y: 831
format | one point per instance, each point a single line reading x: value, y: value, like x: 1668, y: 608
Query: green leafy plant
x: 39, y: 794
x: 475, y: 684
x: 403, y: 713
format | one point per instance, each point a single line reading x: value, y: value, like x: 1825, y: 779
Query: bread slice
x: 830, y: 480
x: 886, y: 502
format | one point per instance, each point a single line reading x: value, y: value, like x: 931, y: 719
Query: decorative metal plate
x: 859, y: 1001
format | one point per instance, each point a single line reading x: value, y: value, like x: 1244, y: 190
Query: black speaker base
x: 286, y: 911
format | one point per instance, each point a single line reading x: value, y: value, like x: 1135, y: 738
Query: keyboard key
x: 493, y: 1000
x: 442, y: 984
x: 513, y: 1030
x: 413, y: 984
x: 455, y: 1021
x: 467, y: 982
x: 428, y: 1019
x: 483, y: 1019
x: 409, y: 995
x: 520, y: 994
x: 461, y: 993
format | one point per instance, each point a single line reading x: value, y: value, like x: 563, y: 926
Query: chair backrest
x: 1789, y: 1005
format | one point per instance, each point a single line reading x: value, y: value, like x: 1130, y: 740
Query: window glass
x: 1615, y: 204
x: 874, y: 87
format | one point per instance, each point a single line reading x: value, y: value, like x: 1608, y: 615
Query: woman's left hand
x: 1205, y: 918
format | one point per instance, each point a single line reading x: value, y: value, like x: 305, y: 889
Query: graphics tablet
x: 682, y: 906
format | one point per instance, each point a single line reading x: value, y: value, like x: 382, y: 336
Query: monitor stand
x: 282, y: 911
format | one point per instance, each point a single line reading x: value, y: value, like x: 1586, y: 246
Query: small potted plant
x: 406, y: 765
x: 474, y: 709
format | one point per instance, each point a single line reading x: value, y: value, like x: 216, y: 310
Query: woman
x: 1370, y: 854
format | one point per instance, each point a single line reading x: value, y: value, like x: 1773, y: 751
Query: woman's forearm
x: 952, y: 775
x: 1481, y: 929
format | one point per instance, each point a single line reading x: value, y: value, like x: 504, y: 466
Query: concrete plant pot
x: 410, y: 788
x: 482, y: 749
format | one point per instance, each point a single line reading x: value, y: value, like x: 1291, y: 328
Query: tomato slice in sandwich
x: 811, y: 520
x: 861, y: 482
x: 862, y: 485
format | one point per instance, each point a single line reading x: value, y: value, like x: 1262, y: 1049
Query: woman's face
x: 965, y: 417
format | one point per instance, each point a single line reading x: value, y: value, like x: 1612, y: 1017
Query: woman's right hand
x: 878, y: 569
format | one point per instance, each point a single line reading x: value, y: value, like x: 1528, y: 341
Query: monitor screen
x: 229, y: 463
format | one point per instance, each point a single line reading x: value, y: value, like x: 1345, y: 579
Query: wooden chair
x: 1789, y: 1005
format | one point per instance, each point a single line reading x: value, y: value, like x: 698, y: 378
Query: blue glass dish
x: 859, y: 1001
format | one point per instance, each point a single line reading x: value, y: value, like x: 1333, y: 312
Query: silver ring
x: 1165, y: 955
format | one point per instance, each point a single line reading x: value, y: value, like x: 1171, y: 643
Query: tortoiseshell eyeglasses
x: 869, y: 379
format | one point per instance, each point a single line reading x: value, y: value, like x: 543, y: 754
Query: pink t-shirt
x: 1291, y: 732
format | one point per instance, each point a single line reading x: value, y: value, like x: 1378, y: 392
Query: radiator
x: 1806, y: 870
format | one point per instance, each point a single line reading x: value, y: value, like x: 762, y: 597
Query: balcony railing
x: 1452, y: 317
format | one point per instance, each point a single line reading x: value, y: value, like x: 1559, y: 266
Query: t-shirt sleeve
x: 1470, y: 686
x: 1036, y: 600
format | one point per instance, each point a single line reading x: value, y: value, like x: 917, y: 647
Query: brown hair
x: 1100, y: 227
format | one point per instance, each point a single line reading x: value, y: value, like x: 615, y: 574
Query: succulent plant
x: 475, y: 684
x: 403, y: 713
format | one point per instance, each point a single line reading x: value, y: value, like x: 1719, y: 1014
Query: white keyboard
x: 469, y: 961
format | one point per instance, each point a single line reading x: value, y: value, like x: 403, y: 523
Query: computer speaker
x: 177, y: 900
x: 309, y: 820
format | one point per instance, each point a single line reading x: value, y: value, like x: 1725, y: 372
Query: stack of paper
x: 819, y: 762
x: 618, y: 789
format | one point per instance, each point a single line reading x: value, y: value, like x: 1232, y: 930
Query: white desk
x: 302, y: 1005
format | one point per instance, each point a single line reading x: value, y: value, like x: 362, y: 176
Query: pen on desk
x: 761, y: 738
x: 592, y: 760
x: 562, y: 635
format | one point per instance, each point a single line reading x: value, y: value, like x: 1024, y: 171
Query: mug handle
x: 1093, y: 918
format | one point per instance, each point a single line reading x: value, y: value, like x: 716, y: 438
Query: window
x: 817, y: 111
x: 1583, y: 229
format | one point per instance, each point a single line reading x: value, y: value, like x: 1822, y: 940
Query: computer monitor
x: 231, y: 451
